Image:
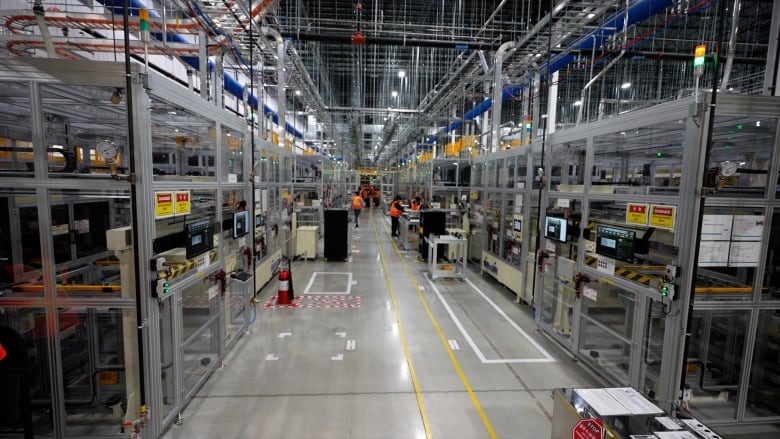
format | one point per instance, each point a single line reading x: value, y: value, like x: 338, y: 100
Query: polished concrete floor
x: 374, y: 349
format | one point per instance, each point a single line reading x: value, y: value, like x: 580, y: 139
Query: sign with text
x: 636, y: 213
x: 183, y: 206
x: 163, y: 204
x: 662, y: 216
x: 590, y: 428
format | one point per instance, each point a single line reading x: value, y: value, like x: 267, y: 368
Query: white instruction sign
x: 589, y: 293
x: 744, y: 253
x: 713, y: 253
x: 716, y: 227
x: 606, y: 265
x: 747, y: 228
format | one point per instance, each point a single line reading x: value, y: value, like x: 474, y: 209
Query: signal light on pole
x: 698, y: 56
x: 528, y: 123
x: 143, y: 24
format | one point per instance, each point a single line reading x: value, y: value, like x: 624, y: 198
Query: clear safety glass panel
x: 623, y: 243
x: 607, y: 312
x: 506, y: 176
x: 764, y: 392
x: 714, y: 364
x: 513, y: 223
x: 568, y: 167
x: 499, y: 174
x: 741, y: 155
x: 30, y: 383
x: 168, y: 369
x: 16, y: 149
x: 771, y: 286
x: 21, y: 263
x: 478, y: 171
x: 81, y: 221
x: 232, y: 155
x: 94, y: 368
x: 238, y: 310
x: 183, y: 143
x: 85, y: 130
x: 445, y: 173
x: 652, y: 348
x: 632, y: 160
x: 558, y: 298
x: 494, y: 212
x: 287, y: 165
x: 200, y: 331
x: 729, y: 253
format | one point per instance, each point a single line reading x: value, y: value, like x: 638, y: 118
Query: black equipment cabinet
x: 431, y: 222
x: 336, y: 234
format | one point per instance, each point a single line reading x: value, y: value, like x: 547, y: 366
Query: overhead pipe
x: 280, y: 95
x: 637, y: 12
x: 724, y: 83
x: 231, y: 84
x: 498, y: 77
x: 390, y: 41
x: 41, y: 20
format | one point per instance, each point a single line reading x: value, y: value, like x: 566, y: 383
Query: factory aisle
x: 376, y: 350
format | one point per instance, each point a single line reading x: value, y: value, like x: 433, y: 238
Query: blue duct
x: 638, y: 11
x: 231, y: 84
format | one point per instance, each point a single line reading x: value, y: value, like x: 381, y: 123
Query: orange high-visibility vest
x: 395, y: 209
x: 357, y: 202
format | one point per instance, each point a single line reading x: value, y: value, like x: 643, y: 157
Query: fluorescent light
x: 401, y: 73
x: 625, y: 85
x: 297, y: 92
x: 577, y: 103
x: 394, y: 94
x: 591, y: 15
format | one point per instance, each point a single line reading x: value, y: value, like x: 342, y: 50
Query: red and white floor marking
x: 317, y: 301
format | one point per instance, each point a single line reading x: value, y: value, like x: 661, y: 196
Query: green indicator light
x: 664, y: 291
x: 659, y: 154
x: 698, y: 61
x: 739, y: 127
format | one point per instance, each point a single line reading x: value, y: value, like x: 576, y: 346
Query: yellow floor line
x: 443, y: 339
x: 415, y: 383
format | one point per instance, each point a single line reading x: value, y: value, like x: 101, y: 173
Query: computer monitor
x: 517, y: 225
x: 615, y: 243
x: 240, y: 224
x: 200, y: 238
x: 555, y: 228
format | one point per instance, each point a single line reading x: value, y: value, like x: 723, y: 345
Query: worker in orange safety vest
x: 357, y: 205
x: 395, y: 212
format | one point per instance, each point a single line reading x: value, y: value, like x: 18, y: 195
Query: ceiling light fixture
x: 577, y: 103
x: 625, y: 85
x: 394, y: 94
x: 401, y: 74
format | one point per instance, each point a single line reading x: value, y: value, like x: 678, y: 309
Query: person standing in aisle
x: 395, y: 212
x: 357, y: 204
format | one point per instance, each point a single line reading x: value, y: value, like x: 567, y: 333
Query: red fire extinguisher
x: 284, y: 296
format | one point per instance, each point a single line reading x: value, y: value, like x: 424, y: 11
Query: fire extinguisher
x: 285, y: 294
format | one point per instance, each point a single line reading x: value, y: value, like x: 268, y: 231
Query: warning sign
x: 662, y: 216
x: 163, y: 204
x: 183, y: 203
x: 591, y: 428
x: 636, y: 213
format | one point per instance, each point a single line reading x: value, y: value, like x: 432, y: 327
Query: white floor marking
x: 338, y: 357
x: 477, y: 351
x: 285, y: 334
x: 454, y: 345
x: 271, y: 357
x: 341, y: 334
x: 350, y: 282
x: 351, y: 345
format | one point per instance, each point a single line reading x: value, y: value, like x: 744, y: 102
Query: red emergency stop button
x: 3, y: 352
